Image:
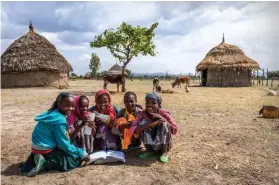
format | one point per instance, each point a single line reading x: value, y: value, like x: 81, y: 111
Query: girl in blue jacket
x: 51, y: 146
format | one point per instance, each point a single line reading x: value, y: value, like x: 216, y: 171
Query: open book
x: 109, y: 156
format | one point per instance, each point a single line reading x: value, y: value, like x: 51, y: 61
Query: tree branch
x: 120, y: 51
x: 130, y: 58
x: 128, y: 46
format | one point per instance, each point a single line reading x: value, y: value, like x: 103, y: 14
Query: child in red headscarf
x: 105, y: 117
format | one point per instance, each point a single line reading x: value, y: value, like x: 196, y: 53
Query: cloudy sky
x: 186, y: 31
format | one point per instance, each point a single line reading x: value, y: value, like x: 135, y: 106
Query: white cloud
x: 85, y: 57
x: 113, y: 14
x: 3, y: 16
x: 186, y: 32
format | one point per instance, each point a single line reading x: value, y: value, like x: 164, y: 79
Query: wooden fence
x: 264, y: 79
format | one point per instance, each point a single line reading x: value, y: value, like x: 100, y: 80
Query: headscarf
x: 76, y: 113
x: 110, y: 111
x: 61, y: 96
x: 155, y: 96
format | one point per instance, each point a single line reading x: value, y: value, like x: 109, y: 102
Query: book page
x: 116, y: 154
x: 97, y: 155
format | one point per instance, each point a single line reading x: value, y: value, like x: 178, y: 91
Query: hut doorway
x: 204, y: 77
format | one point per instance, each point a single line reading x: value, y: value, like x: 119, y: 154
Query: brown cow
x: 113, y: 80
x: 182, y: 80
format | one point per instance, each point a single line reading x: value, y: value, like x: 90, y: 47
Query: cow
x: 182, y: 80
x: 118, y: 80
x: 156, y: 86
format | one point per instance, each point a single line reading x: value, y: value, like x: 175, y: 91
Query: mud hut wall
x: 229, y: 78
x: 33, y: 79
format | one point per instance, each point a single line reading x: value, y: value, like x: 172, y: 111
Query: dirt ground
x: 221, y: 139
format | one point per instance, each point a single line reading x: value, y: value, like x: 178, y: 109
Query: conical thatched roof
x: 226, y: 56
x: 88, y: 75
x: 115, y: 70
x: 33, y: 52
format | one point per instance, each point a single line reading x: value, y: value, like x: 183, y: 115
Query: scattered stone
x: 216, y: 167
x: 271, y: 93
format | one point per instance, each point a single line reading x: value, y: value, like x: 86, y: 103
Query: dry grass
x: 221, y: 139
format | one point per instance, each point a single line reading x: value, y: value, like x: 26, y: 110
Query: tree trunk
x: 93, y: 74
x: 123, y: 81
x: 123, y: 77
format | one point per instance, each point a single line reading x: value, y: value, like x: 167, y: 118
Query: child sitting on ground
x: 125, y: 118
x: 81, y: 126
x: 51, y: 146
x: 105, y: 113
x: 156, y: 127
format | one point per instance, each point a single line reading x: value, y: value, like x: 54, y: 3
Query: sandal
x: 39, y: 161
x: 164, y: 159
x: 147, y: 155
x: 131, y: 148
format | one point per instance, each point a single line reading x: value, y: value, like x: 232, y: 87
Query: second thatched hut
x: 226, y: 66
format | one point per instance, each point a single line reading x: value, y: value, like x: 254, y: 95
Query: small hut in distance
x: 226, y: 66
x: 32, y: 61
x: 114, y: 76
x: 87, y: 76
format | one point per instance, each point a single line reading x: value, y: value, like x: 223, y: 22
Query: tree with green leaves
x: 101, y: 74
x: 94, y: 64
x: 273, y: 74
x: 130, y: 75
x: 74, y: 75
x: 127, y: 42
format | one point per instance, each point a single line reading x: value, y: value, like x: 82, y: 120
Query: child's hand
x: 93, y: 130
x: 158, y: 117
x: 91, y: 123
x: 87, y: 158
x: 98, y: 121
x: 154, y: 124
x: 126, y: 125
x: 84, y: 121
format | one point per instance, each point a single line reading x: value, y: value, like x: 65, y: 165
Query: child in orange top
x: 125, y: 119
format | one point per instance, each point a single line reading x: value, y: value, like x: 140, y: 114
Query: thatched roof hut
x: 32, y: 60
x: 115, y: 70
x: 226, y: 65
x: 88, y: 75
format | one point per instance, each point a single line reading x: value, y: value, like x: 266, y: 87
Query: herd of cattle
x: 119, y: 80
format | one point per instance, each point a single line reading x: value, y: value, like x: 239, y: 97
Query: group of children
x: 70, y: 131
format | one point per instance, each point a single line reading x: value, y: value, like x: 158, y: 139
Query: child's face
x: 151, y: 105
x: 130, y: 103
x: 67, y: 105
x: 103, y: 103
x: 83, y: 106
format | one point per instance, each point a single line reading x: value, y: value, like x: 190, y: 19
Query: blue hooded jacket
x: 52, y: 131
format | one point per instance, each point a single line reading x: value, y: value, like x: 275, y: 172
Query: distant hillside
x: 150, y: 74
x: 156, y: 74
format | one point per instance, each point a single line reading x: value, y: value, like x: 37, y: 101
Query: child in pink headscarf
x: 77, y: 125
